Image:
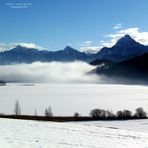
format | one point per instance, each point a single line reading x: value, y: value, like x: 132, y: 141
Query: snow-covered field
x: 33, y: 134
x: 133, y: 125
x: 66, y: 99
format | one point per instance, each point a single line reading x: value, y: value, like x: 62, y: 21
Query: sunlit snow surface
x: 32, y: 134
x: 134, y: 125
x: 66, y: 99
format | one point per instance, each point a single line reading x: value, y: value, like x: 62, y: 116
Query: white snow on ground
x: 33, y: 134
x: 66, y: 99
x: 134, y: 125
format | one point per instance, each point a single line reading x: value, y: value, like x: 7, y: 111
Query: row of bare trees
x: 125, y: 114
x: 17, y: 110
x: 95, y: 113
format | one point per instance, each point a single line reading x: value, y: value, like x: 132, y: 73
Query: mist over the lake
x: 52, y: 72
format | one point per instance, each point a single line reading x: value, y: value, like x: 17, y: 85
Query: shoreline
x: 66, y: 118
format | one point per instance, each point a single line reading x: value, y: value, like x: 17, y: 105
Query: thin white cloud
x: 30, y: 45
x: 9, y: 46
x: 85, y: 43
x: 91, y: 49
x: 4, y: 47
x: 109, y: 43
x: 88, y: 42
x: 118, y: 26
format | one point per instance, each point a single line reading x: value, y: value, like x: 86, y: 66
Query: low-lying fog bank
x: 60, y: 72
x: 52, y: 72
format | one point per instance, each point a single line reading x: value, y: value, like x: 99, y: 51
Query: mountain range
x: 21, y: 54
x: 125, y: 48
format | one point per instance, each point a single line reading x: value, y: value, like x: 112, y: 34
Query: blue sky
x: 53, y: 24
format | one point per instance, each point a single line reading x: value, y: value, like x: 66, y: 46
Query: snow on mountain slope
x: 33, y: 134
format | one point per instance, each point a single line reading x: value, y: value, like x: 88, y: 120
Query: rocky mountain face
x: 124, y: 49
x: 21, y: 54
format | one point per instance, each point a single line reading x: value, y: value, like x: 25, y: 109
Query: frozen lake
x: 65, y: 99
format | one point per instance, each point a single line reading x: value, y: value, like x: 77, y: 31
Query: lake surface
x: 66, y: 99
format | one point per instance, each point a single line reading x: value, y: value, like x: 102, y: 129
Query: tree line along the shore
x: 95, y: 113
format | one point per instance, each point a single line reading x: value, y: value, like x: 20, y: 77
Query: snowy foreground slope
x: 133, y: 125
x: 32, y: 134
